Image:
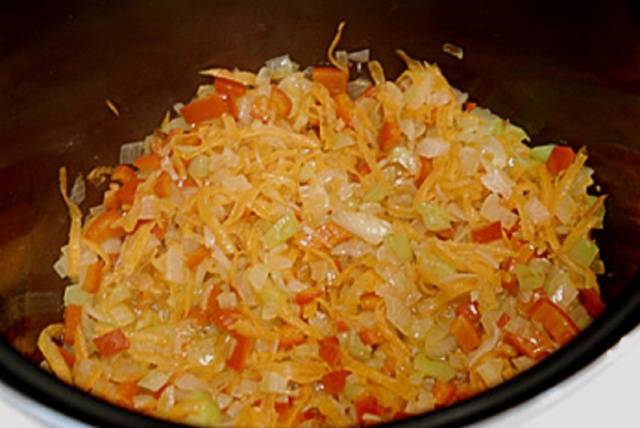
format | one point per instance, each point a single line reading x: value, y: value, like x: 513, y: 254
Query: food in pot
x: 306, y: 247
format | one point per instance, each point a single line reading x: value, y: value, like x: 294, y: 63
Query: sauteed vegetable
x: 302, y: 247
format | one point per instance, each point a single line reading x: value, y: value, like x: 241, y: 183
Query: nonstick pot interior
x: 562, y: 70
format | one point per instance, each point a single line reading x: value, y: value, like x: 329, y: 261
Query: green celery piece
x: 399, y: 244
x: 434, y: 217
x: 206, y: 411
x: 434, y: 266
x: 542, y: 153
x: 377, y: 193
x: 583, y: 252
x: 529, y: 278
x: 281, y: 231
x: 433, y: 368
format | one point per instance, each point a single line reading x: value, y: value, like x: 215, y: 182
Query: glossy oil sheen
x: 565, y: 71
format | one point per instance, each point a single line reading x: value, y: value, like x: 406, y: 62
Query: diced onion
x: 129, y: 152
x: 78, y: 190
x: 281, y: 66
x: 75, y: 295
x: 155, y: 380
x: 257, y: 276
x: 190, y: 382
x: 175, y: 264
x: 537, y: 212
x: 362, y: 55
x: 432, y: 147
x: 366, y: 226
x: 497, y: 181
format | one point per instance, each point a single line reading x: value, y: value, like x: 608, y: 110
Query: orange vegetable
x: 333, y: 79
x: 241, y: 351
x: 125, y: 393
x: 228, y: 87
x: 188, y: 182
x: 369, y: 92
x: 72, y: 317
x: 469, y: 106
x: 369, y: 301
x: 199, y: 316
x: 466, y: 333
x: 503, y: 320
x: 290, y: 337
x: 487, y: 234
x: 311, y: 414
x: 468, y: 309
x: 100, y: 228
x: 93, y: 278
x: 197, y: 257
x: 425, y: 169
x: 367, y: 404
x: 556, y: 321
x: 443, y: 392
x: 263, y: 109
x: 162, y: 186
x: 111, y: 201
x: 560, y: 159
x: 123, y: 174
x: 535, y: 346
x: 203, y: 109
x: 281, y: 101
x: 389, y: 136
x: 329, y: 235
x: 446, y: 233
x: 335, y: 381
x: 69, y: 358
x: 282, y: 408
x: 223, y: 319
x: 371, y: 337
x: 344, y: 108
x: 330, y: 350
x: 341, y: 325
x: 148, y: 163
x: 127, y: 193
x: 307, y: 296
x: 363, y: 168
x: 111, y: 343
x: 592, y: 301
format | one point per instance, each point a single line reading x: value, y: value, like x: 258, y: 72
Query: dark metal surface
x: 562, y: 70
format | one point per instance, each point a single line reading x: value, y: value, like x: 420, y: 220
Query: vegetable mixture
x: 306, y: 248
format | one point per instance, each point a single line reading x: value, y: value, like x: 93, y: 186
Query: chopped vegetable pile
x: 304, y: 248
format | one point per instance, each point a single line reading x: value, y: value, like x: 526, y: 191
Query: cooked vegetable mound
x: 302, y: 248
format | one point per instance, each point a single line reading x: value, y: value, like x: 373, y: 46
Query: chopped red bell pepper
x: 123, y: 174
x: 330, y: 350
x: 556, y: 321
x: 426, y: 166
x: 466, y: 333
x: 203, y: 109
x: 111, y: 343
x: 228, y: 87
x: 389, y: 136
x: 487, y: 234
x: 307, y: 296
x: 72, y: 317
x: 240, y: 354
x: 93, y: 277
x: 335, y: 381
x: 591, y: 299
x: 335, y: 80
x: 560, y: 159
x: 100, y: 229
x: 148, y: 163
